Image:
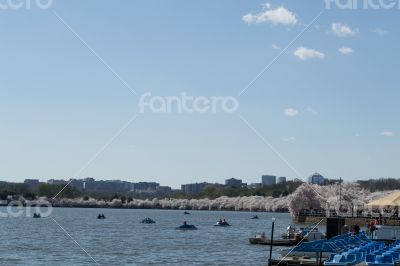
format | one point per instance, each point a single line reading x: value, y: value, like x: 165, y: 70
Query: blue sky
x: 321, y: 109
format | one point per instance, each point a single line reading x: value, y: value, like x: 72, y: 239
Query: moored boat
x: 275, y: 242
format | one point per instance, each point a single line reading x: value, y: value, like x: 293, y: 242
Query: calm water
x: 122, y: 240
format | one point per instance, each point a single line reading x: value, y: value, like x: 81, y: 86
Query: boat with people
x: 148, y: 220
x: 222, y: 222
x: 101, y: 216
x: 291, y: 237
x: 36, y: 215
x: 186, y: 226
x: 290, y: 232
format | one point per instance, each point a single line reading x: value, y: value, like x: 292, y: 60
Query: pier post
x: 272, y: 239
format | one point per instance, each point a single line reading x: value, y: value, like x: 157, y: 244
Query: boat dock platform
x: 295, y: 261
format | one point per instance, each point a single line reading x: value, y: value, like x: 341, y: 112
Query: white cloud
x: 305, y: 53
x: 342, y: 30
x: 291, y: 112
x: 288, y: 139
x: 387, y: 134
x: 346, y: 50
x: 276, y: 47
x: 379, y: 31
x: 279, y: 15
x: 266, y: 6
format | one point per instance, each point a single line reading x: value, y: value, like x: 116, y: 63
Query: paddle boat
x: 36, y: 215
x: 186, y: 226
x: 222, y: 222
x: 148, y: 221
x: 101, y: 216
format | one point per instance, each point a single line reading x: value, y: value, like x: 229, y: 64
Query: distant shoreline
x: 249, y: 204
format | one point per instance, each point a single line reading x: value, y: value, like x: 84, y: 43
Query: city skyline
x: 69, y: 107
x: 222, y: 180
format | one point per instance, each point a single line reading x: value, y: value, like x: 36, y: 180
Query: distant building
x: 57, y: 182
x: 281, y: 179
x: 268, y: 180
x: 145, y: 187
x: 193, y: 188
x: 164, y: 190
x: 103, y: 186
x: 316, y: 179
x: 32, y: 183
x: 233, y: 182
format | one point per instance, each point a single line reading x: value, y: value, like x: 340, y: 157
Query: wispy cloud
x: 379, y: 31
x: 342, y: 30
x: 305, y: 53
x: 288, y: 139
x: 311, y: 110
x: 387, y: 134
x: 266, y: 6
x: 291, y: 112
x: 279, y: 15
x: 346, y: 50
x: 276, y: 47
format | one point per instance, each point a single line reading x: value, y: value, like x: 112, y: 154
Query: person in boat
x: 263, y: 236
x: 184, y: 223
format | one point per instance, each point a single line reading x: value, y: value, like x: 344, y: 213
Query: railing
x: 389, y: 217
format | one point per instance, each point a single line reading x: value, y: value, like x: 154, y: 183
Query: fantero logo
x: 187, y: 104
x: 25, y: 4
x: 362, y: 4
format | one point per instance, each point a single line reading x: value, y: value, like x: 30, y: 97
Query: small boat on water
x: 275, y: 242
x: 101, y: 216
x: 36, y: 215
x: 291, y: 237
x: 254, y: 217
x: 222, y: 222
x: 148, y: 221
x: 260, y: 239
x: 186, y: 226
x: 186, y: 212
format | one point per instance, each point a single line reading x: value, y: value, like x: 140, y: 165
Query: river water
x: 121, y: 239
